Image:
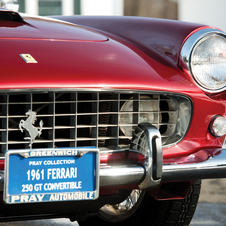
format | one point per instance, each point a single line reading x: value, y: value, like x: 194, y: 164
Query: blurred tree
x: 166, y: 9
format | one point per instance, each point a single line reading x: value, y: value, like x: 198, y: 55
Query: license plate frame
x: 37, y: 175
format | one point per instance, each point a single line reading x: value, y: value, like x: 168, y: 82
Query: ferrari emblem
x: 28, y: 58
x: 29, y: 126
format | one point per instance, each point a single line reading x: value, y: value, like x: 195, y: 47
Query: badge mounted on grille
x: 29, y: 126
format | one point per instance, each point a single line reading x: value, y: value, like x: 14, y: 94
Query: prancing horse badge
x: 29, y: 126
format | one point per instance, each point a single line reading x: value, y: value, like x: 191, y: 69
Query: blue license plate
x: 48, y: 175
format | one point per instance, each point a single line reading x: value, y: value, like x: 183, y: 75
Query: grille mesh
x: 76, y: 119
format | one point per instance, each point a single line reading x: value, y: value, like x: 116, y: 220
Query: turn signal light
x: 218, y: 126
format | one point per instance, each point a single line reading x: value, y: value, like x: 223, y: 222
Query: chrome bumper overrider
x: 154, y: 172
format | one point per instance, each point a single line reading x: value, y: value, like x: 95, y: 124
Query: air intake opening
x: 10, y: 16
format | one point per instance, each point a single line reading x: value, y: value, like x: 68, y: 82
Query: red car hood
x: 37, y: 28
x: 69, y: 56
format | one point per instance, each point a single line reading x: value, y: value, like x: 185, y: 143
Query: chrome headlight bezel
x: 190, y: 46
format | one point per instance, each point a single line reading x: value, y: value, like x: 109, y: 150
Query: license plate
x: 48, y: 175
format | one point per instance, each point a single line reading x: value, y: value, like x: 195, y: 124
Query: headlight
x: 205, y: 54
x: 146, y: 113
x: 170, y: 114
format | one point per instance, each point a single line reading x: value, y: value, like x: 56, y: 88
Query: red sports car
x: 109, y: 120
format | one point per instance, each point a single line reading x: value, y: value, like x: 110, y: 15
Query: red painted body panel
x: 158, y: 38
x: 79, y: 58
x: 48, y: 29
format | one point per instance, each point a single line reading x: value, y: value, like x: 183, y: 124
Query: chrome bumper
x: 154, y: 172
x: 212, y: 168
x: 135, y: 174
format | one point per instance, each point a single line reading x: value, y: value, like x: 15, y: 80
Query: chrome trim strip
x: 47, y: 90
x: 214, y: 167
x: 189, y: 44
x: 121, y: 175
x: 188, y: 47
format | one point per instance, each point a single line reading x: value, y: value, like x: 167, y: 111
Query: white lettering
x: 32, y: 153
x: 62, y: 186
x: 52, y: 152
x: 72, y: 196
x: 35, y: 163
x: 53, y: 173
x: 65, y: 196
x: 67, y: 174
x: 48, y: 173
x: 59, y: 162
x: 79, y: 184
x: 60, y: 173
x: 45, y: 187
x: 14, y: 198
x: 24, y: 198
x: 61, y: 196
x: 52, y: 197
x: 38, y: 187
x: 33, y: 198
x: 40, y: 197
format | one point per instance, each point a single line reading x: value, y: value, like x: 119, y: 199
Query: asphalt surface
x: 211, y: 210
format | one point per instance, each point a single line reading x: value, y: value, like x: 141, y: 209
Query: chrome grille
x: 77, y: 118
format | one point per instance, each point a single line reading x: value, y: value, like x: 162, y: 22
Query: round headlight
x: 204, y: 54
x: 208, y: 62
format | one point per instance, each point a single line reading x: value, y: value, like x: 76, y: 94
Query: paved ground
x: 211, y: 210
x: 213, y: 191
x: 210, y: 214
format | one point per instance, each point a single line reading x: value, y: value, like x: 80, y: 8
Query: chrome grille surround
x: 87, y: 118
